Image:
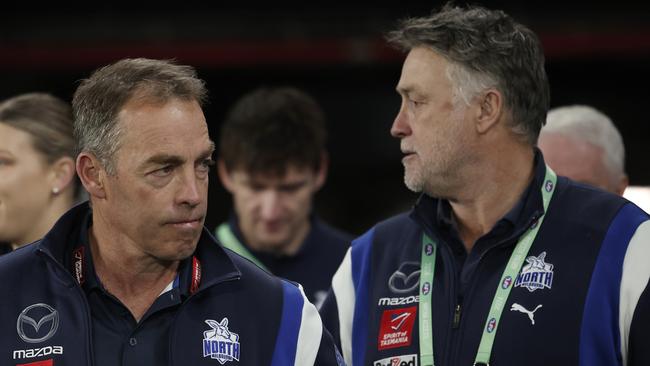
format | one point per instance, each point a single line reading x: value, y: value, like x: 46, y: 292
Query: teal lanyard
x: 429, y: 249
x: 229, y: 240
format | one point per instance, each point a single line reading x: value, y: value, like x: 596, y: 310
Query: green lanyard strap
x: 429, y: 250
x: 229, y: 240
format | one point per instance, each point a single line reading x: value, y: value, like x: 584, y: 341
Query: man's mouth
x: 407, y: 154
x: 192, y: 223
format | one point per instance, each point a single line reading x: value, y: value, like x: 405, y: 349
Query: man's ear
x: 62, y: 173
x: 92, y: 175
x: 489, y: 110
x: 224, y: 175
x: 321, y: 173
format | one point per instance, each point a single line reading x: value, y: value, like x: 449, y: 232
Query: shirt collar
x: 435, y: 215
x: 60, y: 243
x: 92, y: 282
x: 444, y: 215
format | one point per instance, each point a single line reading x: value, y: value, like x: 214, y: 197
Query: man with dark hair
x: 273, y: 160
x: 133, y: 278
x: 500, y: 261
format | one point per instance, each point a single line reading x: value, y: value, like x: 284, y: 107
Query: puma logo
x: 531, y: 314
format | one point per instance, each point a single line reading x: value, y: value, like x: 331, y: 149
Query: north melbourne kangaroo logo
x: 531, y: 314
x: 219, y: 343
x: 536, y: 275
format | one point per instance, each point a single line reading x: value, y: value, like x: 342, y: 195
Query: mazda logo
x: 406, y: 278
x: 29, y: 329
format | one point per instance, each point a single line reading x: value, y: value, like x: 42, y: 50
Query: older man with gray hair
x: 582, y: 143
x: 499, y: 255
x: 133, y: 277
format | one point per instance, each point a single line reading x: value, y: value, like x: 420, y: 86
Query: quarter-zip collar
x: 434, y: 215
x: 60, y: 242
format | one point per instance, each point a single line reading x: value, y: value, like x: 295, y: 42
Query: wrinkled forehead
x: 176, y: 125
x: 422, y: 68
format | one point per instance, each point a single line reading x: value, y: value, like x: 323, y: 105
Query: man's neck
x: 490, y: 193
x: 135, y: 278
x: 288, y: 248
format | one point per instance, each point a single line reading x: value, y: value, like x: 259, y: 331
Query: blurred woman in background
x: 38, y: 182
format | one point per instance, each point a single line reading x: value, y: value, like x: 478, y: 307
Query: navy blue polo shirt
x: 502, y: 233
x: 315, y: 263
x: 117, y: 338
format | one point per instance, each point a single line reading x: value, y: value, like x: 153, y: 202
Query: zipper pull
x: 456, y: 321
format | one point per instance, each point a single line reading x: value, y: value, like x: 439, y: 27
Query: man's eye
x: 291, y: 188
x: 206, y: 164
x: 256, y: 187
x: 164, y: 171
x: 203, y: 168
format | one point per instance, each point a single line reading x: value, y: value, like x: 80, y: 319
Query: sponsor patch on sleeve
x: 396, y: 327
x: 49, y: 362
x: 405, y: 360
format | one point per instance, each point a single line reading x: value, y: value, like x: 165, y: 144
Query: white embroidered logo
x: 220, y: 343
x: 536, y: 275
x: 531, y: 314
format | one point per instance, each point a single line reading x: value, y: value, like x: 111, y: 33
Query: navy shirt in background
x: 313, y: 265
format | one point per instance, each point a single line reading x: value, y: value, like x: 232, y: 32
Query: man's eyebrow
x: 295, y: 184
x: 404, y: 89
x: 210, y: 150
x: 164, y: 159
x: 206, y: 154
x: 168, y: 159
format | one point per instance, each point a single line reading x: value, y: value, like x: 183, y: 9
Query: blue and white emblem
x: 426, y: 287
x: 220, y: 343
x: 536, y: 275
x: 548, y: 186
x: 506, y: 282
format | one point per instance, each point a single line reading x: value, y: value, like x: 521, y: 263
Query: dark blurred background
x: 596, y: 54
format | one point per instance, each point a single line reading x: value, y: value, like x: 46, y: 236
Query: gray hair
x: 585, y: 123
x: 99, y: 99
x: 486, y: 49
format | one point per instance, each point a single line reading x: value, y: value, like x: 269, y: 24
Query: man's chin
x: 181, y: 254
x: 412, y: 184
x: 273, y: 244
x: 182, y: 248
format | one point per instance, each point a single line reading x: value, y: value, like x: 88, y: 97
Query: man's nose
x: 270, y: 205
x: 401, y: 127
x: 190, y: 189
